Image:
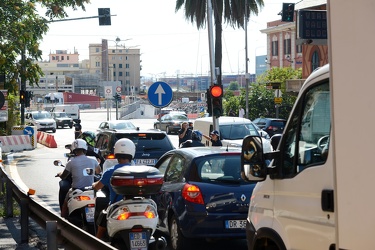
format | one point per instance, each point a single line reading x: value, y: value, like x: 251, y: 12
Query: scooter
x: 132, y: 222
x: 81, y: 204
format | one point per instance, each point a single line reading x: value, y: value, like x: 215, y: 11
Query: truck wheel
x: 177, y: 240
x: 167, y: 130
x: 70, y: 126
x: 54, y: 130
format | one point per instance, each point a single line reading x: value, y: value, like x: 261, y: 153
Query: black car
x: 62, y: 119
x: 150, y: 145
x: 271, y: 125
x: 171, y: 123
x: 203, y: 195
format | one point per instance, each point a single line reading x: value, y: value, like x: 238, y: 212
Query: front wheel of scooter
x: 177, y: 240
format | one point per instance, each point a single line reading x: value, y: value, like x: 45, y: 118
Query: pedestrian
x: 241, y: 112
x: 214, y: 138
x: 184, y: 133
x: 77, y: 129
x: 231, y: 113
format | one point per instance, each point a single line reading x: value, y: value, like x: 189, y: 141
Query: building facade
x: 116, y: 63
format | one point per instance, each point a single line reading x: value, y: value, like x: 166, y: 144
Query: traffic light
x: 287, y: 12
x: 28, y: 98
x: 208, y: 99
x: 117, y: 97
x: 22, y: 96
x: 104, y: 16
x: 216, y: 92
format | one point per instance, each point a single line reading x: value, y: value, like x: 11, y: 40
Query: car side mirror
x: 253, y: 167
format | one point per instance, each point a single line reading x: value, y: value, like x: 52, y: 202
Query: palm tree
x: 232, y: 11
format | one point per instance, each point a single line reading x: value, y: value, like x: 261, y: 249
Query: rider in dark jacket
x: 196, y: 138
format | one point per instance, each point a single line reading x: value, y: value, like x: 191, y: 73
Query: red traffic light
x: 216, y: 91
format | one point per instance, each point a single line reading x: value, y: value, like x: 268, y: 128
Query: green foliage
x: 22, y: 30
x: 234, y: 86
x: 261, y: 100
x: 233, y: 12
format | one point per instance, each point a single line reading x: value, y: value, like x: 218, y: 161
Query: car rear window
x: 279, y: 124
x: 217, y: 168
x: 148, y: 141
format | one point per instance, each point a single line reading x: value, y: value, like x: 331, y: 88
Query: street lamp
x: 116, y: 59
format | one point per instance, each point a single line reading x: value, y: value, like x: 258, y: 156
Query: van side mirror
x: 253, y: 167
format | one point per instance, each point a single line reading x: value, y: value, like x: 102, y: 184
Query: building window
x: 113, y: 51
x: 315, y: 61
x: 114, y: 66
x: 62, y: 58
x: 287, y: 46
x: 57, y: 58
x: 120, y: 73
x: 96, y: 49
x: 275, y: 48
x: 127, y: 65
x: 97, y: 64
x: 120, y: 65
x: 67, y: 58
x: 126, y: 58
x: 127, y: 73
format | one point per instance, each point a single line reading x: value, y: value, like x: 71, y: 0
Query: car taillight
x: 111, y: 156
x: 272, y: 128
x: 192, y: 193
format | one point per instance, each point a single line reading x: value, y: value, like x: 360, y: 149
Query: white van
x: 232, y: 130
x: 42, y: 120
x: 71, y: 109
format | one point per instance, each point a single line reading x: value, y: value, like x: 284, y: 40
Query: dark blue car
x: 203, y: 195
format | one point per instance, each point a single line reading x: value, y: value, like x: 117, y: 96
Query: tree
x: 261, y: 99
x: 231, y: 11
x: 22, y: 29
x: 234, y: 85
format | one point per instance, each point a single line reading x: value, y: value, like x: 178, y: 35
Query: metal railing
x: 57, y: 228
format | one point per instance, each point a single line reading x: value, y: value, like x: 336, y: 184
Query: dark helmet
x: 89, y: 137
x: 196, y: 135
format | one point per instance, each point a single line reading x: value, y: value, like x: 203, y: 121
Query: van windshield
x: 237, y: 131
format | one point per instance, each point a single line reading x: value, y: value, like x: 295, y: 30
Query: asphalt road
x: 36, y: 170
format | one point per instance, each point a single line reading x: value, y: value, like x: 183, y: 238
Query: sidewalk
x: 10, y: 235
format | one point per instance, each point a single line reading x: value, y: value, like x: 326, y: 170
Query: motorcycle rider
x: 89, y: 137
x: 77, y: 167
x: 124, y: 151
x: 196, y: 140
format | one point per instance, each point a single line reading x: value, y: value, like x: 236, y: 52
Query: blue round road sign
x: 160, y: 94
x: 28, y: 131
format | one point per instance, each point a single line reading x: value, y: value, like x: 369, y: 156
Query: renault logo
x: 243, y: 197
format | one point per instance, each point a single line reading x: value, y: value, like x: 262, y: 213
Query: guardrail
x: 57, y: 228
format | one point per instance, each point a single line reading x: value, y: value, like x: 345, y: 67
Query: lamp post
x: 116, y: 59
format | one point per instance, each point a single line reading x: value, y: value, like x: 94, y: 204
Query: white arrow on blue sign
x: 160, y: 94
x: 28, y: 131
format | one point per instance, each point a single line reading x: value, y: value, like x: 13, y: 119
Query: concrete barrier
x: 15, y: 143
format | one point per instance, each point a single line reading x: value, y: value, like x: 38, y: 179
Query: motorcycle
x: 132, y: 221
x: 81, y: 204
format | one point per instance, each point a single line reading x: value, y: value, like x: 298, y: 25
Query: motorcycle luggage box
x: 136, y: 180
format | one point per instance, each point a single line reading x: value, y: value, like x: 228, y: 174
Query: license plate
x: 138, y: 241
x: 235, y: 224
x: 145, y: 161
x: 90, y: 211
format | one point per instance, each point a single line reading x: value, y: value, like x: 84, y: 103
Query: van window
x: 307, y: 141
x: 237, y: 131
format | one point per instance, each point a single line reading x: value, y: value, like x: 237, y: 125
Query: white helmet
x: 124, y: 147
x: 79, y: 144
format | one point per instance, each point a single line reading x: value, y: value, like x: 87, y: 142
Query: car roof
x: 202, y: 151
x: 224, y: 120
x: 133, y: 131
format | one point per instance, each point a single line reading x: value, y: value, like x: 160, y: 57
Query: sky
x: 169, y: 44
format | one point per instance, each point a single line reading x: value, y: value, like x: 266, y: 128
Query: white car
x: 42, y: 120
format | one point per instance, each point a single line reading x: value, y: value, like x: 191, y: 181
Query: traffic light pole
x: 23, y: 87
x: 215, y: 121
